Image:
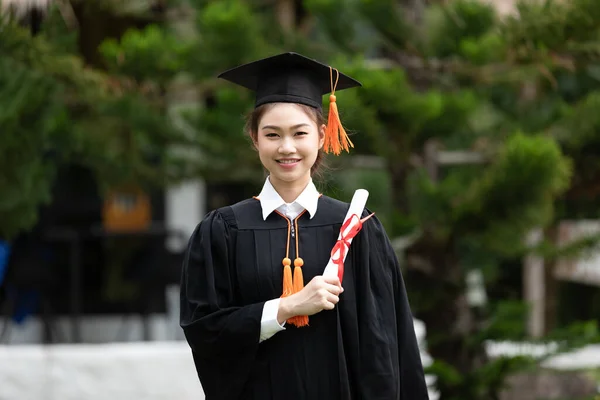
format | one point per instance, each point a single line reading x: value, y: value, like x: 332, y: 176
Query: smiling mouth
x: 293, y: 161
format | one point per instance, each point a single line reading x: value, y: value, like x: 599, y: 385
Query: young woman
x: 261, y: 320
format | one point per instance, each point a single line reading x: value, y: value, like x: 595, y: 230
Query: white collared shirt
x: 270, y: 201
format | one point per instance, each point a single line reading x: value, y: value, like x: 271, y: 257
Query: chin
x: 290, y: 177
x: 286, y: 178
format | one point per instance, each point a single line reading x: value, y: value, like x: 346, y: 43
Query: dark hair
x: 254, y: 117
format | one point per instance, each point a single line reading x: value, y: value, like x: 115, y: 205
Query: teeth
x: 287, y: 161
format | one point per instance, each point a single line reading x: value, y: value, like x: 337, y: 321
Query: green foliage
x: 55, y: 110
x: 335, y: 22
x: 458, y: 25
x: 515, y: 193
x: 452, y: 121
x: 483, y: 382
x: 388, y: 100
x: 386, y: 18
x: 132, y: 139
x: 59, y: 34
x: 230, y: 35
x: 222, y: 140
x: 554, y: 26
x: 29, y: 122
x: 341, y: 184
x: 575, y: 335
x: 505, y: 321
x: 580, y: 124
x: 483, y: 49
x: 145, y: 55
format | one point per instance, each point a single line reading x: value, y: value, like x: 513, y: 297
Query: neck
x: 289, y: 191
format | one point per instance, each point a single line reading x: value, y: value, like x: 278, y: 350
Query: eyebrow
x: 278, y: 128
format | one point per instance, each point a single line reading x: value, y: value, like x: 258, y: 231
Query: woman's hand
x: 321, y: 293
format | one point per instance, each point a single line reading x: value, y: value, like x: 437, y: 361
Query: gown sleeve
x: 390, y: 362
x: 223, y: 335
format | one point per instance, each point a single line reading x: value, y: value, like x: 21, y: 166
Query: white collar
x: 270, y: 200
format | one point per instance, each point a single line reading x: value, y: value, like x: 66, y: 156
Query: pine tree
x: 57, y: 107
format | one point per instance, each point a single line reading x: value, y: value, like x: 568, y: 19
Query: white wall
x: 141, y: 371
x: 184, y: 208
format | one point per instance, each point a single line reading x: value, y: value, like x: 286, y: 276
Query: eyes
x: 275, y: 135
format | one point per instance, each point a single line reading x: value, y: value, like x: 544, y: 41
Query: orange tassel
x: 298, y: 278
x: 288, y: 287
x: 299, y: 320
x: 336, y: 138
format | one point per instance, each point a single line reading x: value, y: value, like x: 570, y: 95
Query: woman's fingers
x: 332, y: 298
x: 333, y: 280
x: 333, y: 289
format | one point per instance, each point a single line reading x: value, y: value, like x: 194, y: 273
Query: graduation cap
x: 293, y: 78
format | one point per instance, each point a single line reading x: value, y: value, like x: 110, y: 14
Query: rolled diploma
x: 357, y: 206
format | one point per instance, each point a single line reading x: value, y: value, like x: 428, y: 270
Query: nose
x: 287, y: 146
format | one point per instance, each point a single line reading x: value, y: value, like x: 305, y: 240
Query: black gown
x: 363, y: 349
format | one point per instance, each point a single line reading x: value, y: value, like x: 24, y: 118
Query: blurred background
x: 477, y: 133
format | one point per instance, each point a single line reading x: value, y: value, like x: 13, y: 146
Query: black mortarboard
x: 294, y: 78
x: 288, y: 78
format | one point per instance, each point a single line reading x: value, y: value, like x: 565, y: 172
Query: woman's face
x: 288, y: 142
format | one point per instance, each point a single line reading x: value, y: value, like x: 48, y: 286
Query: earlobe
x: 322, y: 136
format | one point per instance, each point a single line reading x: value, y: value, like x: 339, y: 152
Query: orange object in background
x: 126, y: 209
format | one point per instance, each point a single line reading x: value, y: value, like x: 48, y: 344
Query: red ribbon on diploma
x: 348, y: 231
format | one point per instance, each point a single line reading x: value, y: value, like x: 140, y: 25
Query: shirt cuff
x: 268, y: 322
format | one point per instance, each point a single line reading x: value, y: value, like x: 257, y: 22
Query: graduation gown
x: 363, y: 349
